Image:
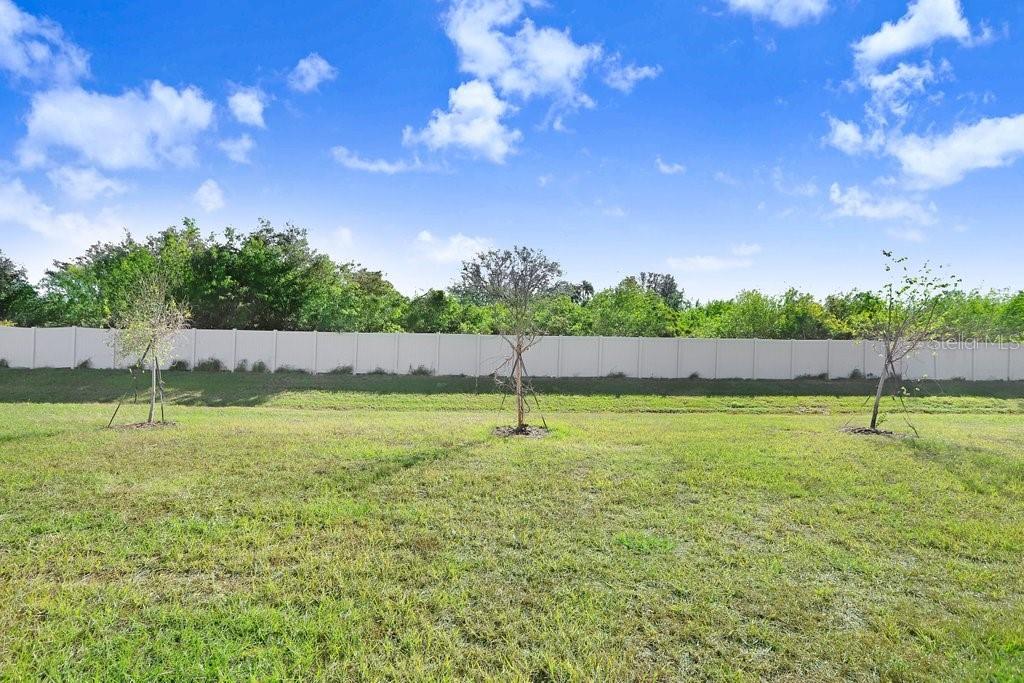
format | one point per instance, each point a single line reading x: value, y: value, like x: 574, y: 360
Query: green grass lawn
x: 372, y: 528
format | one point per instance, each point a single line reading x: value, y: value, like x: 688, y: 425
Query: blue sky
x: 733, y: 143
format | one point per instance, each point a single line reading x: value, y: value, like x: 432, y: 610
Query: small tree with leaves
x: 515, y: 280
x: 911, y: 315
x: 145, y: 332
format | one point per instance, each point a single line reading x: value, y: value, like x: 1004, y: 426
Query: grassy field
x: 372, y: 528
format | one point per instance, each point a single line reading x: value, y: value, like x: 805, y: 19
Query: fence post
x: 398, y: 341
x: 437, y: 353
x: 33, y: 348
x: 974, y: 372
x: 234, y: 349
x: 195, y: 335
x: 275, y: 352
x: 679, y: 356
x: 477, y: 355
x: 355, y: 354
x: 600, y: 355
x: 558, y: 356
x: 639, y: 357
x: 716, y: 360
x: 316, y: 352
x: 828, y: 359
x: 74, y: 346
x: 792, y: 351
x: 753, y: 369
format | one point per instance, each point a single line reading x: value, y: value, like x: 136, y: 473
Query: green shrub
x: 180, y: 366
x: 421, y: 370
x: 287, y: 369
x: 380, y: 371
x: 616, y: 375
x: 4, y: 363
x: 84, y: 364
x: 342, y: 370
x: 820, y: 376
x: 856, y: 374
x: 242, y: 366
x: 260, y: 367
x: 210, y: 365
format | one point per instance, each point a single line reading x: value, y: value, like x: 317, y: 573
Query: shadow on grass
x: 253, y: 389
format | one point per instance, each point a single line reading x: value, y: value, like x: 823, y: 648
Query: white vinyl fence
x: 464, y: 354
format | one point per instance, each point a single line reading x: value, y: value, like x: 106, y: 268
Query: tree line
x: 271, y: 278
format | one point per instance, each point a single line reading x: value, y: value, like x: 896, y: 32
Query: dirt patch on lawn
x: 868, y: 431
x: 527, y: 432
x: 144, y: 425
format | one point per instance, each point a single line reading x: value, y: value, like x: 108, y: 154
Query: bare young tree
x: 516, y: 280
x: 145, y: 334
x: 911, y: 315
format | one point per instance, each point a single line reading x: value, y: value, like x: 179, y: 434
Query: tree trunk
x: 152, y: 391
x: 517, y: 378
x: 878, y: 395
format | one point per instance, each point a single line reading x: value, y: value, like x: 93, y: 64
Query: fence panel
x: 659, y: 357
x: 810, y: 358
x: 581, y: 356
x: 215, y: 345
x: 697, y: 358
x: 773, y: 359
x: 16, y: 346
x: 94, y: 346
x: 1017, y: 363
x: 991, y: 362
x: 296, y: 351
x: 620, y: 355
x: 735, y: 359
x: 542, y: 359
x: 417, y: 351
x: 55, y: 347
x: 335, y: 351
x: 251, y: 347
x: 377, y: 352
x: 957, y: 363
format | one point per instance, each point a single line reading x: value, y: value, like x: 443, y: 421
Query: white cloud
x: 209, y: 196
x: 135, y: 129
x: 667, y: 168
x: 746, y: 249
x: 847, y: 136
x: 456, y: 248
x: 36, y: 49
x: 792, y: 188
x: 925, y: 22
x: 614, y: 211
x: 84, y: 184
x: 891, y: 92
x: 708, y: 264
x: 941, y: 160
x: 625, y: 78
x: 784, y: 12
x: 353, y: 161
x: 531, y: 61
x: 310, y: 72
x: 857, y: 203
x: 725, y: 179
x: 238, y: 149
x: 544, y: 180
x: 21, y: 208
x: 247, y: 106
x: 473, y: 122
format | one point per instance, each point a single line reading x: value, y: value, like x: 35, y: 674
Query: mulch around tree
x: 527, y: 432
x: 144, y: 425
